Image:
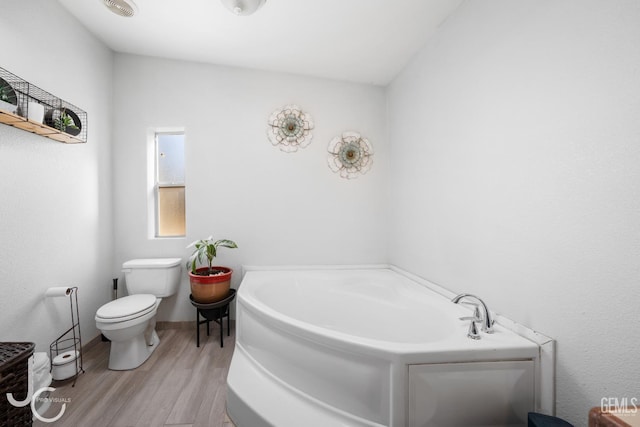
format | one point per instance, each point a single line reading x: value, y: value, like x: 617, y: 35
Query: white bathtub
x: 370, y: 347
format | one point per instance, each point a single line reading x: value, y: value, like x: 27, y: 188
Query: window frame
x: 157, y: 185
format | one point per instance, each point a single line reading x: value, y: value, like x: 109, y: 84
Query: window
x: 169, y: 184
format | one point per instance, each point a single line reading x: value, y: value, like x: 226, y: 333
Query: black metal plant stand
x: 215, y: 311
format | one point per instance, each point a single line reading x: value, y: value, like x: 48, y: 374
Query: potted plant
x: 8, y: 100
x: 66, y: 124
x: 208, y: 283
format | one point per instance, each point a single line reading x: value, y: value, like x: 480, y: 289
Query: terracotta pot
x: 208, y: 289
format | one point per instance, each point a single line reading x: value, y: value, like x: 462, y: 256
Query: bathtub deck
x: 179, y: 386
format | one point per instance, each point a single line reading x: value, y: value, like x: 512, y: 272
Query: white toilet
x: 130, y: 322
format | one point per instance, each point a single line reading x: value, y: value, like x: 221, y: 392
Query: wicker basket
x: 14, y: 378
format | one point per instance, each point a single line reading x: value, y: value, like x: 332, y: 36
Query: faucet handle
x: 473, y: 331
x: 473, y: 328
x: 477, y: 317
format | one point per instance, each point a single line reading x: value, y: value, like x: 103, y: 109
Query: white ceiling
x: 367, y: 41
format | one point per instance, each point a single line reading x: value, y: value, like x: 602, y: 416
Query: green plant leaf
x: 226, y: 243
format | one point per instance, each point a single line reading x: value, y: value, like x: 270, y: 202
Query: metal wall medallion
x: 350, y: 155
x: 289, y: 128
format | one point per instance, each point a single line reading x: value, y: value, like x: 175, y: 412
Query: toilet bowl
x: 129, y: 322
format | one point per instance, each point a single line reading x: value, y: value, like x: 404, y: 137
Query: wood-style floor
x: 180, y: 385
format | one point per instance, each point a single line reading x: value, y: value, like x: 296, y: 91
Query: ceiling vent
x: 126, y: 8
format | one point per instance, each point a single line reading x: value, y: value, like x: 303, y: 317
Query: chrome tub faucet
x: 486, y: 318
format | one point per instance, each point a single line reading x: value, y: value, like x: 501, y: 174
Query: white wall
x: 55, y: 209
x: 281, y: 208
x: 515, y: 175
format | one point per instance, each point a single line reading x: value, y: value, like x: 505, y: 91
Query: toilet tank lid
x: 152, y: 263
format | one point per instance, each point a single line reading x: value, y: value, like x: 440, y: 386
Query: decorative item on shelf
x: 8, y: 98
x: 35, y: 112
x: 350, y: 154
x: 210, y: 283
x: 289, y: 128
x: 64, y: 120
x: 66, y: 124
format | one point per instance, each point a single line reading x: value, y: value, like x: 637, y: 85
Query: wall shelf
x: 37, y: 128
x: 19, y: 94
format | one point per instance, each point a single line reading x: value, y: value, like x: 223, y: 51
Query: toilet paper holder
x: 70, y: 341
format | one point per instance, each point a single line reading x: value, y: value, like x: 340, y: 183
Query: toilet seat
x: 126, y: 308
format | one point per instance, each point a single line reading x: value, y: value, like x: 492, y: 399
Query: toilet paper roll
x: 66, y: 357
x: 64, y: 365
x: 59, y: 291
x: 63, y: 372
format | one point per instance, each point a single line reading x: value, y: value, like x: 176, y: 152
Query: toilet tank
x: 155, y: 276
